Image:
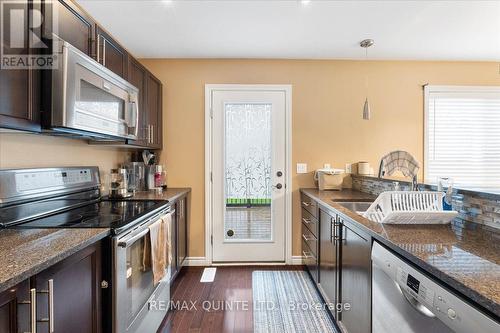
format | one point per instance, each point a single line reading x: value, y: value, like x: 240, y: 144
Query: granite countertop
x: 464, y: 256
x: 170, y: 194
x: 26, y: 252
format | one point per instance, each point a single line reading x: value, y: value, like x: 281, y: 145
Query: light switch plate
x: 301, y: 168
x: 348, y: 168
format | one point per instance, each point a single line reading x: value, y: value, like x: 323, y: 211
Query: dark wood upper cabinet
x: 76, y: 293
x: 72, y: 24
x: 137, y: 75
x: 19, y: 88
x: 154, y: 111
x: 110, y: 54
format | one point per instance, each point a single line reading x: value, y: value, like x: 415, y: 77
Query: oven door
x: 93, y: 100
x: 134, y: 291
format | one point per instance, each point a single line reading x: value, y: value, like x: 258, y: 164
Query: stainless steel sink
x: 356, y: 206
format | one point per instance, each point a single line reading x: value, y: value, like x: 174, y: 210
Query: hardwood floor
x: 224, y: 305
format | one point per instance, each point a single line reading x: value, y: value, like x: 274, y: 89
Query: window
x: 462, y: 136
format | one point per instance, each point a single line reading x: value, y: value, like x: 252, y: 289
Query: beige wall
x: 327, y: 106
x: 32, y: 150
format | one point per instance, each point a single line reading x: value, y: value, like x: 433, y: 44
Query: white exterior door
x: 248, y: 166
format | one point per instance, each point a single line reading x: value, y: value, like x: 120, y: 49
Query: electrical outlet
x: 348, y: 168
x: 301, y: 168
x: 327, y: 166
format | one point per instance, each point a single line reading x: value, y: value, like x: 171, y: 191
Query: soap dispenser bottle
x: 449, y: 192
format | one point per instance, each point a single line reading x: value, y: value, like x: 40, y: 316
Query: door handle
x: 278, y: 186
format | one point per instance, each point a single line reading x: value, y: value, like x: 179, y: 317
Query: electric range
x: 71, y: 198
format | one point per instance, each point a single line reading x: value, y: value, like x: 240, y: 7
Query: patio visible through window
x: 248, y: 172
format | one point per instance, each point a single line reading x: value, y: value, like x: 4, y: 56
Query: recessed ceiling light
x: 167, y: 2
x: 305, y: 2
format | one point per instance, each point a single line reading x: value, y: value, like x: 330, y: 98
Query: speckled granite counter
x: 26, y: 252
x: 465, y: 256
x: 170, y: 194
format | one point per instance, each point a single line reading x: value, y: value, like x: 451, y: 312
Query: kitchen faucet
x: 414, y: 184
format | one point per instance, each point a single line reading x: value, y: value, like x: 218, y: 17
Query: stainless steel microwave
x: 87, y: 99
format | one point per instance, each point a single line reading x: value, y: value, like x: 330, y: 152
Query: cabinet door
x: 15, y: 309
x: 73, y: 24
x: 181, y: 232
x: 19, y: 88
x: 356, y: 281
x: 76, y: 294
x: 154, y: 105
x: 137, y: 75
x: 328, y: 264
x: 111, y: 54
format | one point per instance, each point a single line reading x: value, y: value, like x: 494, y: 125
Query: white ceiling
x: 320, y: 29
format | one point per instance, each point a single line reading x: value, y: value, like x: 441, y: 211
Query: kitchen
x: 240, y: 222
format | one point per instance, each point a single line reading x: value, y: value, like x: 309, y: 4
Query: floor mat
x: 287, y: 302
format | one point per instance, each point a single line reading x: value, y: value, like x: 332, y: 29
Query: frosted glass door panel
x: 247, y: 164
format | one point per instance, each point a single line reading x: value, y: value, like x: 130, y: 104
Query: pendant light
x: 366, y: 107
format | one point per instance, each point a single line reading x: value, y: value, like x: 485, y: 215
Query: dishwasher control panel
x: 429, y: 298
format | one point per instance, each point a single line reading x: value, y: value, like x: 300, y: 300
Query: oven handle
x: 130, y: 240
x: 126, y: 242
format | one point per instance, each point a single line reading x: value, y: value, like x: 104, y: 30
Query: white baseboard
x: 203, y: 261
x: 297, y: 260
x: 196, y: 261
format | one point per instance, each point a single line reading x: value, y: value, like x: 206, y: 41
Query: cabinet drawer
x: 310, y: 261
x: 308, y: 204
x: 310, y: 239
x: 310, y: 222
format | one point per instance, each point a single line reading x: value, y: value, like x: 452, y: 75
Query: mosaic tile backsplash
x: 472, y: 207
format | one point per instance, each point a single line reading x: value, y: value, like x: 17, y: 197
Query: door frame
x: 209, y: 90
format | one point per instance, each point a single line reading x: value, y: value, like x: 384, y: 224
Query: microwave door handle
x: 136, y: 108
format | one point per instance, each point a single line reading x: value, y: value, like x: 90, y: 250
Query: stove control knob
x: 452, y: 314
x: 104, y: 284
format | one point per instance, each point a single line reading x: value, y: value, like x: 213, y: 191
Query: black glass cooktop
x: 117, y: 215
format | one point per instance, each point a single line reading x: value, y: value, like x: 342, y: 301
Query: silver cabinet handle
x: 104, y: 52
x: 51, y: 306
x: 33, y: 310
x: 50, y: 294
x: 152, y: 133
x: 98, y: 48
x: 306, y: 221
x: 306, y: 256
x: 307, y: 239
x: 306, y: 204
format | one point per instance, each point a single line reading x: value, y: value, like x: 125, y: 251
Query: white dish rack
x: 409, y: 207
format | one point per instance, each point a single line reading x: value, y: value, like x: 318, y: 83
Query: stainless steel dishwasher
x: 404, y: 300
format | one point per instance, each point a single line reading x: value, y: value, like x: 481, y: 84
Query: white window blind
x: 463, y: 135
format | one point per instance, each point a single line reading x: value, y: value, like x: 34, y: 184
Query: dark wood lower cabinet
x: 344, y: 277
x: 328, y: 259
x: 179, y: 242
x: 75, y: 292
x: 74, y: 287
x: 355, y: 280
x: 15, y: 309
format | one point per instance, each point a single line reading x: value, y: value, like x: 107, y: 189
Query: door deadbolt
x: 279, y: 173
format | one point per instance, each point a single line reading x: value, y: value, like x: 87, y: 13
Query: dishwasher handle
x: 415, y: 303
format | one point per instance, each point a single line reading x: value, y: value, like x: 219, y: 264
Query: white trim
x: 297, y: 260
x: 196, y: 261
x: 209, y: 89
